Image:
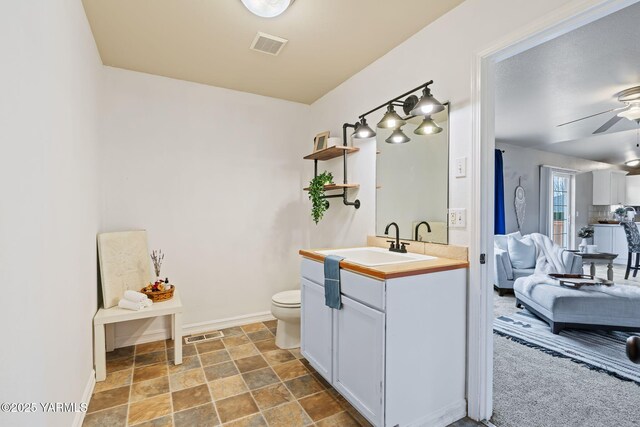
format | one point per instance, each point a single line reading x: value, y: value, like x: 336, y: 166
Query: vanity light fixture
x: 427, y: 105
x: 428, y: 127
x: 633, y: 163
x: 391, y: 119
x: 397, y: 137
x: 267, y: 8
x: 363, y: 130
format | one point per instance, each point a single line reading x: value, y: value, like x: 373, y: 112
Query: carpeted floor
x: 534, y: 389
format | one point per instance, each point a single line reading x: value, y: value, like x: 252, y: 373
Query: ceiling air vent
x: 266, y: 43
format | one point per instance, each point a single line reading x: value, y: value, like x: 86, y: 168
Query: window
x: 562, y: 226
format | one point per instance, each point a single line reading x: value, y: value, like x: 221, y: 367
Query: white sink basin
x: 375, y: 256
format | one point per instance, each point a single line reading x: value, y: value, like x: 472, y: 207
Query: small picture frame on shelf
x: 320, y: 141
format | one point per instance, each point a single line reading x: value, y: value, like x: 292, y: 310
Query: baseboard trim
x: 444, y: 416
x: 193, y: 328
x: 86, y: 397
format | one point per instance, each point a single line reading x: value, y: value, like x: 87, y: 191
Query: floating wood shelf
x: 331, y: 153
x: 329, y: 187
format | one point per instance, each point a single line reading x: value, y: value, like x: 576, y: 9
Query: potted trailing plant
x: 316, y: 194
x: 621, y: 212
x: 585, y: 233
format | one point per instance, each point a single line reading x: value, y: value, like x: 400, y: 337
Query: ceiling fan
x: 631, y: 110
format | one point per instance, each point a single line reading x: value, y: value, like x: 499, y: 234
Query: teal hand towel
x: 332, y: 281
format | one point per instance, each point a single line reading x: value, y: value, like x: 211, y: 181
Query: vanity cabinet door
x: 359, y: 350
x: 316, y: 328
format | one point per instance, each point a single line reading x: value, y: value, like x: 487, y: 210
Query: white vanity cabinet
x: 609, y: 187
x: 396, y: 350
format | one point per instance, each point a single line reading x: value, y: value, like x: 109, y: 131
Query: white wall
x: 213, y: 175
x: 48, y: 208
x: 525, y: 163
x: 442, y: 51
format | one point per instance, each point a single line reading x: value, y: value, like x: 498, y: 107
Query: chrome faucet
x: 396, y: 246
x: 418, y: 226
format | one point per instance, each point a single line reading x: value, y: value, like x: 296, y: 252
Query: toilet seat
x: 287, y: 299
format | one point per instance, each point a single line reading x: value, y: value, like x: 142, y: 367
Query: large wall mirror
x: 413, y: 181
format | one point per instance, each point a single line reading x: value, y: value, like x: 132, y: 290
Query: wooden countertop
x: 392, y: 271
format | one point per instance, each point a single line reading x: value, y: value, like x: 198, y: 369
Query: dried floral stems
x: 157, y: 257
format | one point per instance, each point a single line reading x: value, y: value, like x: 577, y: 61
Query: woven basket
x: 159, y: 296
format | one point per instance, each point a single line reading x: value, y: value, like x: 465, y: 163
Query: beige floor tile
x: 109, y: 399
x: 260, y: 378
x: 149, y: 409
x: 273, y: 395
x: 116, y: 416
x: 200, y: 416
x: 235, y: 407
x: 188, y: 363
x: 166, y: 421
x: 187, y: 379
x: 145, y: 373
x: 236, y: 330
x: 255, y: 420
x: 227, y: 387
x: 290, y: 370
x: 221, y: 370
x: 262, y: 335
x: 266, y: 345
x: 146, y: 389
x: 270, y: 323
x: 303, y: 386
x: 296, y: 353
x: 187, y: 350
x: 242, y: 351
x: 235, y: 341
x: 190, y: 397
x: 342, y: 419
x: 287, y: 415
x: 277, y: 357
x: 119, y: 364
x: 253, y: 327
x: 150, y: 358
x: 120, y: 353
x: 150, y: 347
x: 214, y: 357
x: 320, y: 405
x: 114, y: 380
x: 206, y: 347
x: 251, y: 363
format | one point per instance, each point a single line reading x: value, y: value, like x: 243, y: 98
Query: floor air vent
x: 266, y: 43
x: 209, y: 336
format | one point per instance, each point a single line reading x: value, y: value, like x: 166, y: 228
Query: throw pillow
x: 501, y: 240
x: 522, y: 252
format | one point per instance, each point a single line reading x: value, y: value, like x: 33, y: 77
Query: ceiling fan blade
x: 593, y: 115
x: 605, y: 127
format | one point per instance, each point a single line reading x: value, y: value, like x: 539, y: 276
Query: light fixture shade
x: 632, y: 113
x: 428, y: 127
x: 267, y: 8
x: 391, y: 119
x: 427, y: 105
x: 633, y: 163
x: 363, y: 130
x: 397, y: 137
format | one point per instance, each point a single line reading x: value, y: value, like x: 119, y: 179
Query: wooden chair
x: 633, y: 240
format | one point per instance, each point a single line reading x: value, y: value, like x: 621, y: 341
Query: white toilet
x: 285, y: 306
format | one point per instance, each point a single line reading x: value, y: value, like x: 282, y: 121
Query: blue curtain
x: 499, y: 222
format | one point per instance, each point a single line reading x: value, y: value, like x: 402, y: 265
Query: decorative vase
x: 583, y: 245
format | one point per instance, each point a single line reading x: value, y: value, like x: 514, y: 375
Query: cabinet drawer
x: 361, y: 288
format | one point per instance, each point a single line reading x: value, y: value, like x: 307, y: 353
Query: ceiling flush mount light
x: 397, y: 137
x: 427, y: 127
x: 633, y: 163
x: 391, y: 119
x: 267, y: 8
x: 363, y: 130
x: 427, y: 104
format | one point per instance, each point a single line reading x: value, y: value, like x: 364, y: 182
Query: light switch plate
x: 452, y: 217
x: 461, y: 167
x: 457, y: 218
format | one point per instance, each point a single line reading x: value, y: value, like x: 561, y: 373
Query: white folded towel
x: 134, y: 296
x: 147, y: 302
x: 130, y: 305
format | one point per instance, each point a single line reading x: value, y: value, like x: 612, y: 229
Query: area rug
x: 599, y: 350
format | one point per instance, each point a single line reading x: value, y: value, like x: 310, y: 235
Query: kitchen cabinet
x: 633, y: 190
x: 612, y: 239
x: 609, y: 187
x: 396, y: 350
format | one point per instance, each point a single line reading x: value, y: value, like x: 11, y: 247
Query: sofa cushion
x: 522, y: 272
x: 500, y: 240
x: 522, y: 252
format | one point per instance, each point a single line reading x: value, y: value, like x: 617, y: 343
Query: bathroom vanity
x: 396, y: 348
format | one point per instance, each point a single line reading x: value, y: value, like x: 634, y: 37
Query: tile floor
x: 240, y: 380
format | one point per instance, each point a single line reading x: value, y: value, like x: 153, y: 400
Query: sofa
x: 515, y: 257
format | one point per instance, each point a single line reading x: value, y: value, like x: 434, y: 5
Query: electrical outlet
x: 461, y: 167
x: 457, y: 218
